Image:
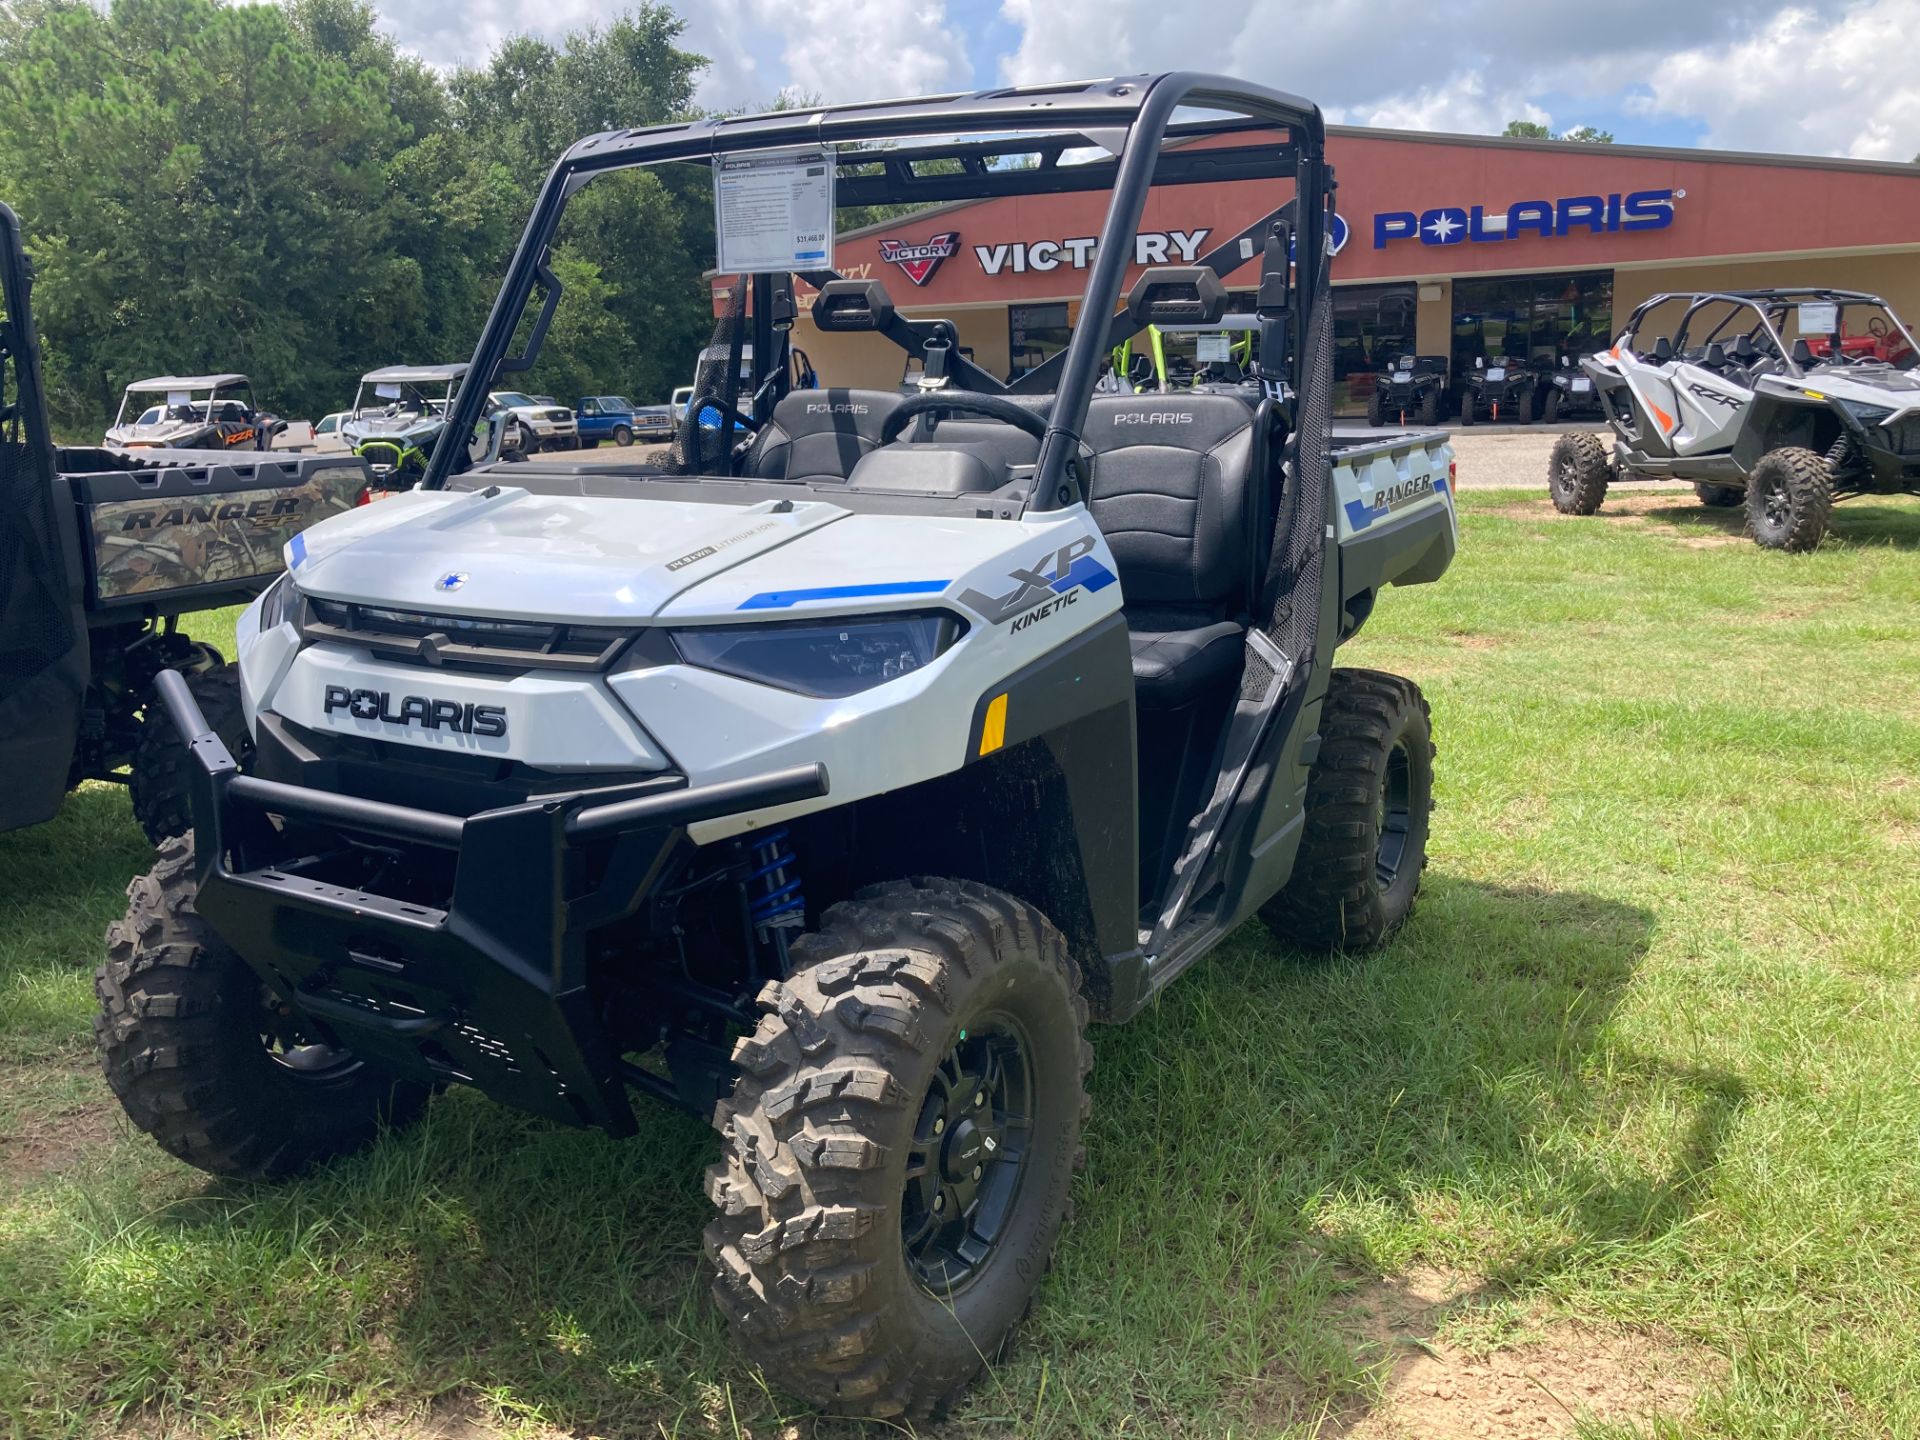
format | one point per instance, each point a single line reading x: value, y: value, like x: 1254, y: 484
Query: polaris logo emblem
x: 838, y: 408
x: 1155, y: 417
x: 1055, y: 576
x: 487, y: 721
x: 452, y: 580
x: 920, y: 261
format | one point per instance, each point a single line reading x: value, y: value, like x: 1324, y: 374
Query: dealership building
x: 1457, y: 245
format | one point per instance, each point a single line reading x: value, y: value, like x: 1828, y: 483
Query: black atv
x: 1508, y: 389
x: 1570, y: 394
x: 1411, y: 393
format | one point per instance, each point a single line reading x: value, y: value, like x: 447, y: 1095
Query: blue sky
x: 1837, y: 78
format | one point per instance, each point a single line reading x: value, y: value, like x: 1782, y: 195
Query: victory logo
x: 920, y: 261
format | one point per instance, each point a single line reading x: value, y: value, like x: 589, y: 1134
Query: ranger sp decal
x: 1073, y: 568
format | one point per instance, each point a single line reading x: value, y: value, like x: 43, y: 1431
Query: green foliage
x: 281, y: 191
x: 1581, y: 134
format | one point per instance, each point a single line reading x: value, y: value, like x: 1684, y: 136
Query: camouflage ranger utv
x: 101, y: 553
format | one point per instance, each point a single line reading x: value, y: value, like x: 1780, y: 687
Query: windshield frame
x: 1129, y: 118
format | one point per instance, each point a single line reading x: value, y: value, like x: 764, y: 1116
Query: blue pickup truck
x: 616, y: 418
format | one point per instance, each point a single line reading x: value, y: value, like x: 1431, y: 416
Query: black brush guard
x: 490, y: 991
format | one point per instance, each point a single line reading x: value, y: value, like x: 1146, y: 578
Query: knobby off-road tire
x: 183, y: 1031
x: 1578, y: 473
x: 1720, y: 497
x: 161, y: 783
x: 1466, y: 410
x: 856, y: 1108
x: 1429, y: 412
x: 1550, y: 407
x: 1376, y: 408
x: 1789, y: 500
x: 1369, y: 802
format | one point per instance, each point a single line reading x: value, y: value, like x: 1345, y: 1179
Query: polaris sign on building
x: 1591, y: 214
x: 1463, y: 248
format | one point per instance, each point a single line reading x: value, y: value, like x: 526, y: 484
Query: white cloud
x: 1807, y: 81
x: 1756, y: 74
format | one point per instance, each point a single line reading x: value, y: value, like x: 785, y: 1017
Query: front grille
x: 467, y: 640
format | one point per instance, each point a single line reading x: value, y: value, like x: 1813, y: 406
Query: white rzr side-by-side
x: 1779, y: 400
x: 830, y: 776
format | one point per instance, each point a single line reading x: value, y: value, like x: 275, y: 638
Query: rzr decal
x: 920, y: 261
x: 1073, y: 568
x: 1707, y: 392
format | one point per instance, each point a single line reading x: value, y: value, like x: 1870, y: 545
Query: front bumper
x: 486, y: 985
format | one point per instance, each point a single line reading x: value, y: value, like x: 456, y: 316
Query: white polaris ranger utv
x: 827, y: 780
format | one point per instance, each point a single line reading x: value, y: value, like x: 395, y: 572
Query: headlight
x: 1866, y: 414
x: 278, y: 603
x: 824, y: 658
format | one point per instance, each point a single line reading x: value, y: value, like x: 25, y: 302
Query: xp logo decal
x: 1040, y: 591
x: 920, y: 261
x: 488, y: 721
x: 1595, y: 214
x: 452, y: 580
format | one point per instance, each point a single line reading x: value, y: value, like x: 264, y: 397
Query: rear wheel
x: 160, y: 785
x: 206, y: 1059
x: 1376, y: 408
x: 1721, y: 497
x: 1369, y: 801
x: 1578, y: 473
x: 1789, y: 499
x: 899, y: 1147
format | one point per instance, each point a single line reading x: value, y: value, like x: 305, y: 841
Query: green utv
x: 829, y: 777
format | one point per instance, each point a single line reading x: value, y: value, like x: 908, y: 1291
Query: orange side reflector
x: 993, y: 730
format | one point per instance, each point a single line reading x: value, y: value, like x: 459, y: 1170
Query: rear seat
x: 1173, y: 493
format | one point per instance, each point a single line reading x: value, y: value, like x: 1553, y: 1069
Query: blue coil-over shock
x: 776, y: 898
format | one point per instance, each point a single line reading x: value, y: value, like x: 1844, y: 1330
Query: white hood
x: 538, y: 557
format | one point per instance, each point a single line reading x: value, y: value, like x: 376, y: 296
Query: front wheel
x: 1578, y: 473
x: 1789, y: 499
x: 622, y: 436
x: 1369, y: 803
x: 899, y: 1148
x: 1430, y: 408
x: 1466, y: 411
x: 206, y: 1059
x: 1550, y: 407
x: 160, y: 785
x: 1376, y: 408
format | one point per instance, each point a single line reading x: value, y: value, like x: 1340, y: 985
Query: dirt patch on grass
x: 1538, y: 1389
x: 47, y: 1139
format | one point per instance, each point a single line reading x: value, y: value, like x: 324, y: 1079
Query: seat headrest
x: 1187, y: 421
x: 1177, y: 295
x: 852, y: 305
x: 811, y: 412
x: 1802, y: 352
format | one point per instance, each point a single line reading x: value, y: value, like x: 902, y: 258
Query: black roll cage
x: 1763, y: 303
x: 1130, y: 117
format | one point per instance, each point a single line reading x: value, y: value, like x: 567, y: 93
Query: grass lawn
x: 1628, y: 1117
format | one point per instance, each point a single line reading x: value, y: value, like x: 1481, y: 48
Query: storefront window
x: 1372, y: 324
x: 1531, y: 317
x: 1035, y: 333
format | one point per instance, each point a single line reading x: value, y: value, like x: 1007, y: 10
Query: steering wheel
x: 1877, y: 327
x: 962, y: 402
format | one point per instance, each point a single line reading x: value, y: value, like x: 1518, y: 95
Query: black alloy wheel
x: 968, y: 1155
